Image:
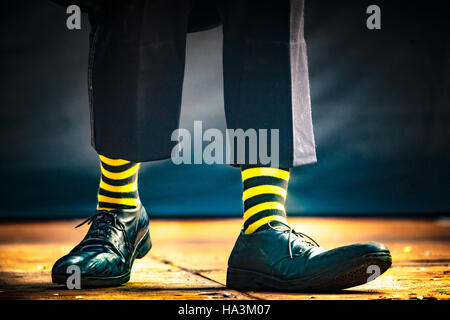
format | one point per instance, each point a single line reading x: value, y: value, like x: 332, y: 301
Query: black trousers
x: 137, y: 59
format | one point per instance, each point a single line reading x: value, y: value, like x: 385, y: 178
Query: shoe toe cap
x: 368, y: 249
x: 90, y: 263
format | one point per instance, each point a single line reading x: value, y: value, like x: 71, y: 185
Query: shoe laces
x: 102, y: 222
x: 307, y: 239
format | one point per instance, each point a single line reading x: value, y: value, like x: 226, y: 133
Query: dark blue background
x: 380, y: 103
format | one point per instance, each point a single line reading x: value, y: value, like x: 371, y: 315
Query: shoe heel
x: 144, y: 246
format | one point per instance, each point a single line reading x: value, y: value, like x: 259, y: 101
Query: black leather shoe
x: 282, y: 259
x: 107, y: 252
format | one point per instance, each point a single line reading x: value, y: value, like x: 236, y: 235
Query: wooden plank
x: 189, y: 259
x: 25, y: 274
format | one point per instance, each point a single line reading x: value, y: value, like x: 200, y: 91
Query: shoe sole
x: 143, y: 247
x: 350, y: 274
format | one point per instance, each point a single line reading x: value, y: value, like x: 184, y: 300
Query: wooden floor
x: 189, y: 258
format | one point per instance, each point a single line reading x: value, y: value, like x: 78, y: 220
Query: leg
x: 118, y: 188
x: 135, y: 83
x: 265, y: 191
x: 266, y: 86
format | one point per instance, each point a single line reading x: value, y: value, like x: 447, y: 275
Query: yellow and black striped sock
x: 264, y: 196
x: 118, y: 184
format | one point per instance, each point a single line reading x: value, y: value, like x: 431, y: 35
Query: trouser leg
x: 136, y: 72
x: 266, y: 75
